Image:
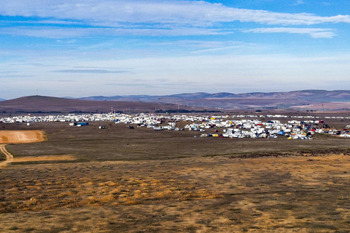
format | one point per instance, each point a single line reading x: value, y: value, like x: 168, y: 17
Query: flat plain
x: 139, y: 180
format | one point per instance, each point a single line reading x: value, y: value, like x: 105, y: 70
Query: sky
x: 82, y: 48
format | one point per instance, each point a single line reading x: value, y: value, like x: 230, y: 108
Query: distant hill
x: 150, y: 98
x: 263, y: 100
x: 2, y: 99
x: 45, y: 104
x: 187, y: 102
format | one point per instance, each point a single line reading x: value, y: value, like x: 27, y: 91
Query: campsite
x: 104, y: 180
x: 194, y: 116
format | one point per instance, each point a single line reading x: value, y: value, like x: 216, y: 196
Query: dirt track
x: 9, y: 157
x: 21, y: 136
x: 15, y: 137
x: 45, y: 158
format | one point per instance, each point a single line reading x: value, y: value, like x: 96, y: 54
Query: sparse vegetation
x: 142, y: 180
x: 2, y: 156
x: 253, y: 194
x: 120, y: 143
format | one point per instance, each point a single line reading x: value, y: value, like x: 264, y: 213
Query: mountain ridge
x: 199, y: 95
x: 226, y: 100
x: 186, y: 102
x: 48, y: 104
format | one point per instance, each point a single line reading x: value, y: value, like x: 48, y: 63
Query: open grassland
x: 138, y: 180
x: 118, y: 142
x: 294, y: 194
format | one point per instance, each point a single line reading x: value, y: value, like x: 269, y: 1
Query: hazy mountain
x: 265, y: 100
x: 45, y: 104
x: 305, y: 100
x: 308, y: 95
x: 151, y: 98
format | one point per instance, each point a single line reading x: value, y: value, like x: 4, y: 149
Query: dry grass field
x: 119, y: 143
x: 123, y: 180
x: 293, y: 194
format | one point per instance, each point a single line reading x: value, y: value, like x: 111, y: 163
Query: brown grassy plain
x: 120, y: 143
x: 144, y: 181
x: 286, y: 194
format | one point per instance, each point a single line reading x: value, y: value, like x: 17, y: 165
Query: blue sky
x: 110, y: 47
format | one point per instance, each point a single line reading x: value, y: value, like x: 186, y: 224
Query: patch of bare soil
x: 21, y: 136
x: 45, y: 158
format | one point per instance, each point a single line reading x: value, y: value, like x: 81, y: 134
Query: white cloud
x: 62, y: 32
x: 79, y: 18
x: 267, y: 72
x: 40, y: 22
x: 46, y: 32
x: 195, y: 13
x: 90, y: 71
x: 313, y: 32
x: 299, y: 2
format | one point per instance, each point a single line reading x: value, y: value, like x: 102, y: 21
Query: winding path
x: 9, y: 157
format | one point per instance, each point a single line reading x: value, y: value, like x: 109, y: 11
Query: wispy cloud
x: 91, y: 71
x: 195, y: 13
x: 212, y: 73
x: 299, y: 2
x: 313, y: 32
x: 28, y: 21
x: 204, y: 46
x: 46, y: 32
x: 60, y: 32
x: 78, y: 18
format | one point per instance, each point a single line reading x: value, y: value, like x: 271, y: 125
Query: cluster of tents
x: 234, y: 126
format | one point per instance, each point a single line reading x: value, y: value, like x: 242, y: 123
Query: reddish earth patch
x: 21, y: 136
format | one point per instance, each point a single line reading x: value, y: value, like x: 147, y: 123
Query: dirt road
x: 9, y: 157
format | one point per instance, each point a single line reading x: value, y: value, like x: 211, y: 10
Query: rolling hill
x: 45, y: 104
x: 187, y: 102
x: 264, y: 100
